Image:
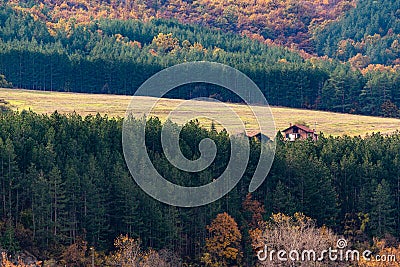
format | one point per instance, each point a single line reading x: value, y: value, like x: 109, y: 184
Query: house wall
x: 302, y: 134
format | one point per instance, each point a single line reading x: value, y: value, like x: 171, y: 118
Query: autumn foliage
x: 255, y: 211
x: 6, y: 262
x: 290, y: 23
x: 297, y: 232
x: 222, y: 248
x: 130, y: 254
x: 388, y: 255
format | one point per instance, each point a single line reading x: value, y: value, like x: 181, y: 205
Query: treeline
x: 64, y: 179
x: 371, y: 30
x: 113, y: 56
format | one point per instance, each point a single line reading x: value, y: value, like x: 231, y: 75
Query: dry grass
x: 116, y: 105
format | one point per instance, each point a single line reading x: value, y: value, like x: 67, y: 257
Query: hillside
x: 67, y: 193
x: 69, y: 187
x: 362, y: 32
x: 117, y: 56
x: 335, y: 124
x: 289, y: 23
x: 367, y: 34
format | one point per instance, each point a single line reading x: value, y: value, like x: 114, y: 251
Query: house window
x: 295, y: 130
x: 292, y: 137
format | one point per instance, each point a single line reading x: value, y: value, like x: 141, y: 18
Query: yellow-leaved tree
x: 165, y: 43
x: 130, y: 254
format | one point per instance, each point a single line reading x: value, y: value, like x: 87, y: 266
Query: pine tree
x: 10, y: 176
x: 58, y: 202
x: 8, y: 240
x: 382, y: 212
x: 95, y: 198
x: 283, y: 201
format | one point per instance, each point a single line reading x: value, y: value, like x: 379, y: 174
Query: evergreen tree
x: 382, y: 211
x: 283, y: 201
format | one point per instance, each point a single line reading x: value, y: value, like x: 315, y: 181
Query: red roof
x: 252, y: 133
x: 302, y: 127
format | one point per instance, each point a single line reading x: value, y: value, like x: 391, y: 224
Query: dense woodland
x: 369, y: 33
x: 341, y: 29
x: 117, y: 56
x: 64, y: 180
x: 289, y: 23
x: 64, y: 183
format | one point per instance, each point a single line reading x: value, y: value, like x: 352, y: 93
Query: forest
x: 64, y: 182
x: 67, y: 197
x: 289, y: 23
x: 117, y: 56
x: 369, y: 34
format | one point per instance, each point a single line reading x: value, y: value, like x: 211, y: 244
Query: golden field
x: 115, y: 106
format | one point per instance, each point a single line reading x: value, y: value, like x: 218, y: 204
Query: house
x: 257, y: 136
x: 297, y: 131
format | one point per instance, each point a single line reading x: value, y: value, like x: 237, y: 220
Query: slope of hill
x: 66, y: 188
x: 117, y: 56
x: 369, y: 33
x: 287, y: 22
x: 329, y: 123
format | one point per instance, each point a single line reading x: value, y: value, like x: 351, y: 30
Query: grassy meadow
x: 115, y: 106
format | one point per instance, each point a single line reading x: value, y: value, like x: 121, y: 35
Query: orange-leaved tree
x: 253, y: 210
x: 382, y: 255
x: 223, y: 245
